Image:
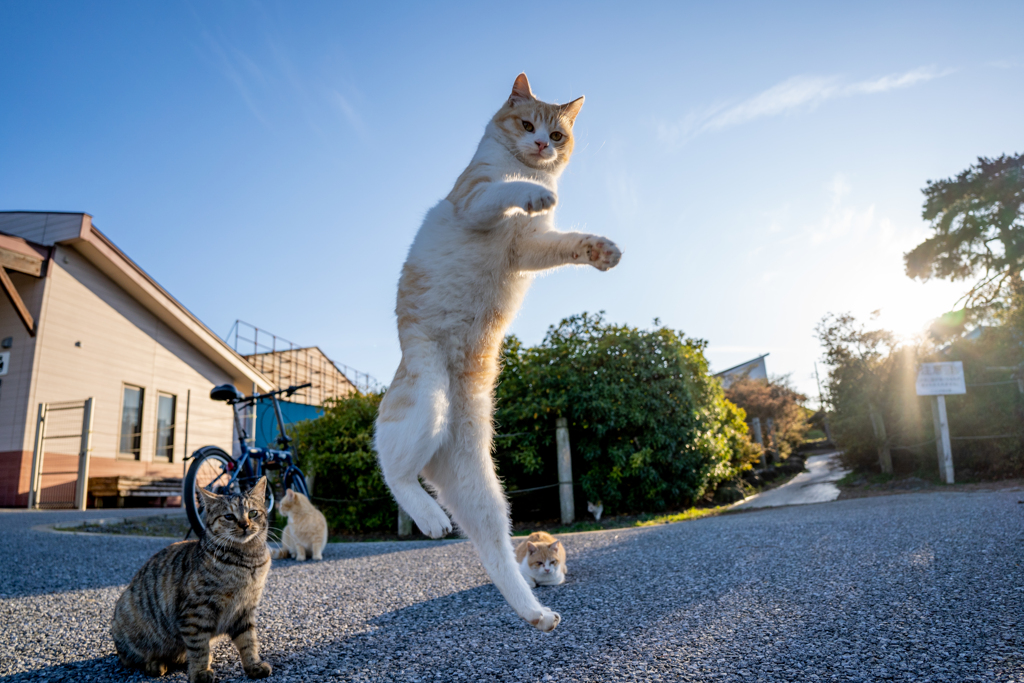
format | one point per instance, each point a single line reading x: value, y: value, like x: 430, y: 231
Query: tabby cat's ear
x: 572, y: 109
x: 259, y: 490
x: 208, y: 496
x: 520, y: 91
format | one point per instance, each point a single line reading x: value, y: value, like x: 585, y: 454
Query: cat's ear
x: 532, y: 548
x: 259, y: 490
x: 572, y: 109
x: 520, y: 91
x: 208, y: 496
x: 553, y: 546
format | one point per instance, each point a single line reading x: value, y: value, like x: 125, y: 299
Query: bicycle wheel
x: 295, y: 480
x: 211, y: 469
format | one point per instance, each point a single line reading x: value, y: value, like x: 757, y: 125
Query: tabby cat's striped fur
x: 191, y: 592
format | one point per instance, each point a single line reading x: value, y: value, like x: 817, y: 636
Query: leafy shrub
x: 338, y: 450
x: 649, y: 428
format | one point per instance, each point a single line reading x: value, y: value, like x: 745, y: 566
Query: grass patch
x: 692, y: 513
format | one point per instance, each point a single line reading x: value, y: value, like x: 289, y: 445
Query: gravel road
x: 916, y: 587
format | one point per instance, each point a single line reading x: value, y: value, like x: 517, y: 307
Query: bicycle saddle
x: 225, y: 392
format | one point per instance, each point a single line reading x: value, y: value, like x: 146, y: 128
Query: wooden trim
x: 19, y: 305
x: 16, y: 254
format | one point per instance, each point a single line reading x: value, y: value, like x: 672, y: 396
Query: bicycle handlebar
x: 288, y: 392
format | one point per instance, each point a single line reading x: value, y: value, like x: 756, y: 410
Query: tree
x: 978, y: 230
x: 776, y: 400
x: 650, y: 429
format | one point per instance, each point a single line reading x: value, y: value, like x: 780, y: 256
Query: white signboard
x: 941, y: 379
x: 5, y: 360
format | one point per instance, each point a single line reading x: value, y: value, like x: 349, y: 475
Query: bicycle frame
x: 247, y: 453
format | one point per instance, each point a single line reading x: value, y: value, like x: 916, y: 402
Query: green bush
x: 649, y: 428
x: 337, y: 449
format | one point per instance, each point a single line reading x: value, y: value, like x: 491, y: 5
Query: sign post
x: 939, y: 380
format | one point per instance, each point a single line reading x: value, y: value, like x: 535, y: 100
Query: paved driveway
x: 917, y: 587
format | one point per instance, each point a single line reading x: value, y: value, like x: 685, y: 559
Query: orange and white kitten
x: 464, y: 279
x: 541, y: 559
x: 306, y: 532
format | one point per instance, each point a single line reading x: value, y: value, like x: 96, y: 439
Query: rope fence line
x: 507, y: 493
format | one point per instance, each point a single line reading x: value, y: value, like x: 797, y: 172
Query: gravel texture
x: 917, y: 587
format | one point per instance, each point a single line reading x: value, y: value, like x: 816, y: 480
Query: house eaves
x: 76, y: 230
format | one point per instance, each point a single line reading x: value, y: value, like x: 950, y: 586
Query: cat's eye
x: 556, y: 136
x: 253, y: 514
x: 528, y: 126
x: 230, y: 518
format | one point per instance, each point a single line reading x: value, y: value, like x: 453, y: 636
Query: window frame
x: 169, y: 456
x: 136, y: 453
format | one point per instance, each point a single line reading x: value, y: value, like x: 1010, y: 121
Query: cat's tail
x: 280, y: 553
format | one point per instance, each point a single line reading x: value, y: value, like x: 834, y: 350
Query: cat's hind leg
x: 411, y: 424
x: 468, y: 487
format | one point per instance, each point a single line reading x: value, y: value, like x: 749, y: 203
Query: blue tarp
x: 266, y: 423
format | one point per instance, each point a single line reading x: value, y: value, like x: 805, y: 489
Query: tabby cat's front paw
x: 261, y: 670
x: 603, y: 254
x: 546, y: 620
x: 204, y: 676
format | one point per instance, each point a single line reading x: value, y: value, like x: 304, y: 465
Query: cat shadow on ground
x: 98, y: 669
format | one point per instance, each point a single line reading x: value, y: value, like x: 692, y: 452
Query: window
x: 131, y: 422
x: 166, y: 404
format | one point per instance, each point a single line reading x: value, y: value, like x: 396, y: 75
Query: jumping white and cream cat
x: 463, y: 281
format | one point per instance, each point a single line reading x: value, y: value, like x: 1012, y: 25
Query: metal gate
x: 60, y: 458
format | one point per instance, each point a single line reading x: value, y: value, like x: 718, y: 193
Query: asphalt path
x: 914, y: 587
x: 814, y: 485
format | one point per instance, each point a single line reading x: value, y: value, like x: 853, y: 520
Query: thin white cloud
x: 793, y: 94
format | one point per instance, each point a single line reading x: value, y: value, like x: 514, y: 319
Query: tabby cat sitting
x: 193, y: 591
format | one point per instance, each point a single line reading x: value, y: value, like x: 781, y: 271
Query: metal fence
x: 60, y: 457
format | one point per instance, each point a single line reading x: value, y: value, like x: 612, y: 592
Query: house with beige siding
x: 80, y: 320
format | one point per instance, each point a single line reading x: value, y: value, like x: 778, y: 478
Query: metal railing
x: 61, y: 430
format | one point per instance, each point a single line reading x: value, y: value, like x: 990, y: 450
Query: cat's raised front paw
x: 539, y: 200
x: 603, y: 254
x: 547, y: 620
x: 261, y: 670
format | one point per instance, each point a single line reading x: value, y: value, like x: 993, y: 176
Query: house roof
x: 76, y: 230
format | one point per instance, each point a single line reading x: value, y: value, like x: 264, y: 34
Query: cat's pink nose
x: 541, y: 145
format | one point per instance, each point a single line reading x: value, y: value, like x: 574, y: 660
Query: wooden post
x: 942, y: 443
x: 755, y: 425
x: 884, y: 456
x: 82, y: 486
x: 404, y: 523
x: 564, y: 471
x: 37, y: 459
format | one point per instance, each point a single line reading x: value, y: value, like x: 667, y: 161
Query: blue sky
x: 760, y: 166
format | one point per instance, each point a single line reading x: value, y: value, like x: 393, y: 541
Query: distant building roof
x: 752, y: 369
x: 295, y: 366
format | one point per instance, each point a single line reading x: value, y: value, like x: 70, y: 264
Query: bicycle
x: 218, y: 472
